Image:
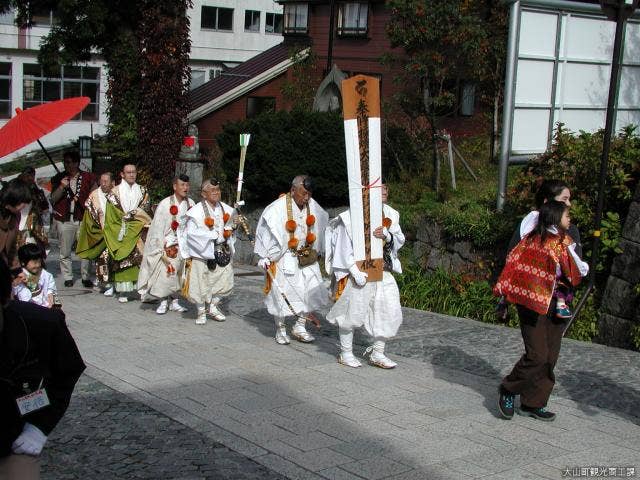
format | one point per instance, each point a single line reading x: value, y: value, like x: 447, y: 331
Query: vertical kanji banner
x: 361, y: 110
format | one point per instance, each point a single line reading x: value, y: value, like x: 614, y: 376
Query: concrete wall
x: 237, y: 46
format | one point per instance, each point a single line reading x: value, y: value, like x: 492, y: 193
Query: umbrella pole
x: 48, y: 156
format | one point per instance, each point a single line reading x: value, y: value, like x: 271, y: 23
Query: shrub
x: 450, y: 294
x: 575, y: 158
x: 283, y: 145
x: 464, y: 296
x: 585, y: 325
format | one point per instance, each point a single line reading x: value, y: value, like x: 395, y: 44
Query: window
x: 273, y: 23
x: 352, y: 19
x: 42, y: 17
x: 251, y: 21
x: 197, y: 78
x: 64, y: 82
x: 215, y: 73
x: 217, y: 18
x: 296, y: 17
x: 5, y: 90
x: 258, y: 105
x: 7, y: 18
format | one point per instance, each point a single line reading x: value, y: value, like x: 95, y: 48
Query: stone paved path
x: 106, y: 435
x: 294, y: 411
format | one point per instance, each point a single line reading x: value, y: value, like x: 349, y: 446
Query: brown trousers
x: 20, y: 467
x: 532, y: 377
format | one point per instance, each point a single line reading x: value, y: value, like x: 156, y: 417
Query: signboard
x: 562, y: 70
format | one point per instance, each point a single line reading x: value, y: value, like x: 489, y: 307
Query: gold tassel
x: 186, y: 277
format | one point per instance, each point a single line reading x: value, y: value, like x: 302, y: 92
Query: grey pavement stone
x: 378, y: 467
x: 106, y: 435
x: 287, y: 468
x: 319, y: 459
x: 293, y: 411
x: 336, y: 473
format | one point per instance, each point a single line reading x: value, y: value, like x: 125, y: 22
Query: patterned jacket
x: 529, y: 276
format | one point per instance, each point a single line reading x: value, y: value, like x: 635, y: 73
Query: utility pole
x: 618, y: 11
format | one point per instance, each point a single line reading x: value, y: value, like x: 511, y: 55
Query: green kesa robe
x: 122, y: 234
x: 91, y: 241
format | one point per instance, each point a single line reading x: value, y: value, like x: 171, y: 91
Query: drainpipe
x: 330, y: 48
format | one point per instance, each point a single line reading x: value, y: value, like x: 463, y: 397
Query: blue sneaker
x: 539, y: 413
x: 562, y: 311
x: 505, y: 403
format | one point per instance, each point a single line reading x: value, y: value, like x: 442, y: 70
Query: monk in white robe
x: 161, y: 267
x: 206, y: 241
x: 289, y: 238
x: 372, y: 305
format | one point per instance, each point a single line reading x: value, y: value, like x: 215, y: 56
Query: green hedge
x: 284, y: 144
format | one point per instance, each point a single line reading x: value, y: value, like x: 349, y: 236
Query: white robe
x: 153, y: 278
x: 46, y: 287
x: 198, y: 242
x: 130, y: 196
x: 99, y: 201
x: 303, y: 287
x: 376, y: 305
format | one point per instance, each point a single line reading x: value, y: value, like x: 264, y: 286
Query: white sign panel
x: 562, y: 75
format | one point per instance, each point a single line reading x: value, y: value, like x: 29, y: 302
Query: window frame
x: 60, y: 79
x: 253, y: 111
x: 295, y: 29
x: 350, y: 31
x: 216, y: 27
x: 252, y: 13
x: 7, y: 100
x: 37, y: 18
x: 215, y: 72
x: 203, y: 76
x: 274, y: 18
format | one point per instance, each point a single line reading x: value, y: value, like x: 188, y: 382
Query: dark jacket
x: 61, y: 208
x: 8, y: 236
x: 35, y: 344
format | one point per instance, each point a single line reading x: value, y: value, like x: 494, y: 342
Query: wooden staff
x: 244, y: 143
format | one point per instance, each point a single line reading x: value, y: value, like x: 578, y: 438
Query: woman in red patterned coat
x: 543, y: 260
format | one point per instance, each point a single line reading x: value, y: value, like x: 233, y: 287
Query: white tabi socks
x: 163, y: 307
x: 299, y: 332
x: 175, y: 306
x: 214, y: 311
x: 281, y: 331
x: 202, y: 314
x: 346, y: 356
x: 377, y: 357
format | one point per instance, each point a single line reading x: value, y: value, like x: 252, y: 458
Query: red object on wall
x: 189, y: 141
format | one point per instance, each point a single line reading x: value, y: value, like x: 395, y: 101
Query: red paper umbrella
x: 31, y: 124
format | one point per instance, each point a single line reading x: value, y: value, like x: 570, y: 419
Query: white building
x: 224, y: 33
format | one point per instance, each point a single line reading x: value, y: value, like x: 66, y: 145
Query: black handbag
x: 307, y: 256
x: 223, y: 254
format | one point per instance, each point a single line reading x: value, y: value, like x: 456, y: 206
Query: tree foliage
x: 575, y: 158
x: 444, y: 43
x: 145, y: 45
x: 165, y: 46
x: 299, y: 91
